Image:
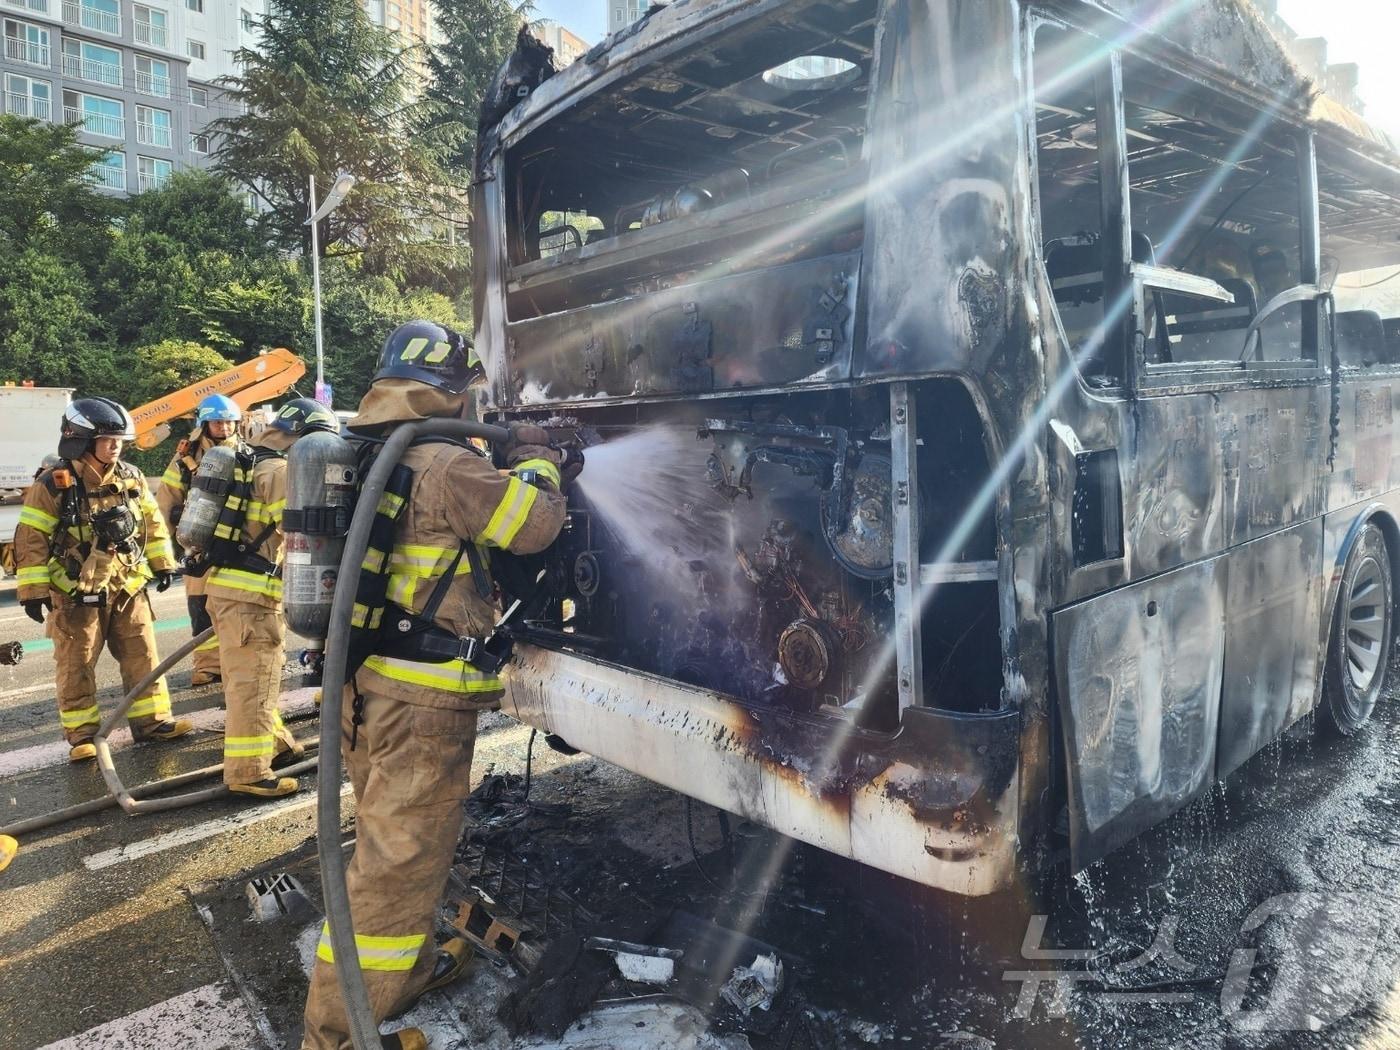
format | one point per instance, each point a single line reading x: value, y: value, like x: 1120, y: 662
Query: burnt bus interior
x: 1216, y: 224
x: 774, y: 582
x: 725, y: 157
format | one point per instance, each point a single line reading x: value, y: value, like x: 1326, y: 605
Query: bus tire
x: 1363, y: 628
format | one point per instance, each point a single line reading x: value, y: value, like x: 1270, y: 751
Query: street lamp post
x: 344, y: 181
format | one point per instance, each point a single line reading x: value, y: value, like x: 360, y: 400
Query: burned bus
x: 1036, y: 435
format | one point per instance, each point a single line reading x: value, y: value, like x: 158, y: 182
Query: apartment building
x: 622, y: 13
x: 138, y: 78
x: 568, y: 46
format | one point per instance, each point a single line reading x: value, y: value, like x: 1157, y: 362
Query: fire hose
x: 125, y: 798
x: 364, y: 1032
x: 138, y: 800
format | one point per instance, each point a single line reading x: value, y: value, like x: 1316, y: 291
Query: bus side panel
x: 1273, y: 607
x: 1138, y: 673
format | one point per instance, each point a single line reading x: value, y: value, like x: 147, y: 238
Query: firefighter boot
x: 272, y: 787
x: 405, y: 1039
x: 167, y: 730
x: 84, y: 752
x: 8, y: 848
x: 452, y: 959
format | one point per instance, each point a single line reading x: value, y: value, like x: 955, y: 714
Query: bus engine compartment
x: 749, y: 551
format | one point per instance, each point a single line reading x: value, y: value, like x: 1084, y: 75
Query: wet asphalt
x: 1266, y: 915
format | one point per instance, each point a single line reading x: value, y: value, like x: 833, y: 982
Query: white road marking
x: 210, y: 1018
x: 10, y: 693
x: 55, y: 752
x: 199, y: 832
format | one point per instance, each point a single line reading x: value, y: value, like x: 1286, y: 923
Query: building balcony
x: 156, y: 36
x: 27, y: 106
x: 147, y: 181
x: 104, y: 124
x: 109, y: 178
x: 78, y: 14
x: 151, y: 84
x: 108, y: 73
x: 42, y: 6
x: 153, y: 134
x: 27, y: 52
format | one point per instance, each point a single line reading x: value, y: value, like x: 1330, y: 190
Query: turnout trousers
x: 250, y: 637
x: 410, y: 771
x: 206, y: 657
x: 126, y: 627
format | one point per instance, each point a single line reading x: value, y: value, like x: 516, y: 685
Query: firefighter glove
x: 528, y: 441
x: 164, y: 578
x: 34, y: 608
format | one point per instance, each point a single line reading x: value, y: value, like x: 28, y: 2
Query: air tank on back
x: 210, y: 486
x: 321, y: 486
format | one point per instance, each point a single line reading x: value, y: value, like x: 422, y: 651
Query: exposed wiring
x: 690, y: 836
x: 529, y: 763
x: 1373, y: 284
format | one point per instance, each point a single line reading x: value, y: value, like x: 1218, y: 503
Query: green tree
x: 49, y: 201
x: 327, y: 90
x: 49, y: 328
x: 478, y: 36
x: 169, y: 365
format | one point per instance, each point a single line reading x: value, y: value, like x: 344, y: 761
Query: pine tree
x: 479, y: 37
x: 328, y: 90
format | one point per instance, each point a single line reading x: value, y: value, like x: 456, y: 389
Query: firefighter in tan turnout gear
x: 244, y: 588
x: 90, y: 538
x: 411, y: 708
x: 216, y: 422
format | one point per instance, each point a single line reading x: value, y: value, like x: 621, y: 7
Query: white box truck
x: 29, y: 423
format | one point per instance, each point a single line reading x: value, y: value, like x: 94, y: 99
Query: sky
x: 587, y: 18
x: 1360, y: 31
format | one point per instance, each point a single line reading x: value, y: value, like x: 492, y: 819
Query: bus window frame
x: 1123, y: 348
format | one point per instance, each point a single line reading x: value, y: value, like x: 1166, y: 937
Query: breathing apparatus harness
x: 228, y: 549
x: 113, y: 529
x: 381, y: 627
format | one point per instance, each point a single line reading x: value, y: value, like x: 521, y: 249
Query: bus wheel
x: 1358, y: 656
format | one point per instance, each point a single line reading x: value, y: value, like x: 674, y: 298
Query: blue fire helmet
x: 216, y: 408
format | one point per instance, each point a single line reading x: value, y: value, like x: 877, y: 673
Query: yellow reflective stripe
x: 59, y: 578
x: 38, y: 519
x: 374, y: 560
x: 510, y: 514
x: 390, y: 504
x: 401, y: 590
x: 360, y: 616
x: 172, y: 478
x: 438, y: 353
x: 376, y: 953
x: 81, y: 717
x: 248, y: 746
x: 243, y: 580
x: 161, y: 550
x: 34, y: 576
x: 156, y: 705
x: 414, y: 348
x: 212, y: 643
x: 541, y: 466
x: 454, y: 676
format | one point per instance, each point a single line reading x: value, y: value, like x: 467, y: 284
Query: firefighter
x: 245, y: 598
x: 410, y: 724
x: 216, y: 420
x: 89, y: 540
